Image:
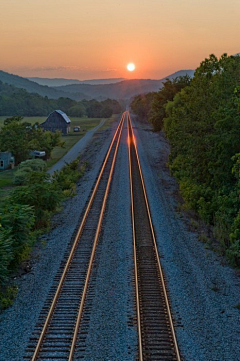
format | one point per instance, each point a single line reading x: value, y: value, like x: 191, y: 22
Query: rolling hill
x: 62, y: 81
x: 125, y: 89
x: 33, y: 87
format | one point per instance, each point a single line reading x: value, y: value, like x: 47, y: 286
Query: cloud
x: 57, y: 68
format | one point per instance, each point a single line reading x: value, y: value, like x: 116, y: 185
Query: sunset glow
x: 87, y: 40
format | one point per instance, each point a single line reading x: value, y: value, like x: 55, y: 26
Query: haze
x: 97, y: 39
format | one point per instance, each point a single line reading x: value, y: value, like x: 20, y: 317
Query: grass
x: 109, y: 121
x: 6, y: 183
x: 6, y: 178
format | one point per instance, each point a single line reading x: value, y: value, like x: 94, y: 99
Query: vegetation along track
x: 156, y: 334
x: 56, y: 332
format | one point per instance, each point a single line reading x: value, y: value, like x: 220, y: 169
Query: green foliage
x: 6, y: 299
x: 203, y: 126
x: 18, y: 221
x: 34, y: 164
x: 22, y: 174
x: 26, y: 211
x: 20, y: 138
x: 151, y: 106
x: 67, y: 177
x: 163, y: 96
x: 6, y: 254
x: 18, y: 101
x: 104, y: 109
x: 141, y: 105
x: 39, y: 193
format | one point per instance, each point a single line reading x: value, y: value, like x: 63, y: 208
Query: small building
x: 57, y: 120
x: 6, y: 160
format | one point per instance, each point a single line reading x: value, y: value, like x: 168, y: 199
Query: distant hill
x: 122, y: 90
x: 17, y: 101
x: 33, y: 87
x: 62, y: 81
x: 125, y: 89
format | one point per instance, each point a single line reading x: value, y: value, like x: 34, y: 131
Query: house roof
x: 64, y: 116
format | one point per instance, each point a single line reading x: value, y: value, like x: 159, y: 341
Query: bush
x: 21, y: 176
x: 34, y: 164
x: 6, y: 254
x: 67, y: 177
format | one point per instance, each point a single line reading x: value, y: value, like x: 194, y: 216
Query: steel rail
x: 135, y: 255
x: 93, y: 250
x: 155, y: 247
x: 75, y: 243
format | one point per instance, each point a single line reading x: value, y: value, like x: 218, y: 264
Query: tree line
x: 15, y: 101
x: 201, y: 119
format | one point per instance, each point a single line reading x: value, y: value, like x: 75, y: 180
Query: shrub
x: 34, y: 164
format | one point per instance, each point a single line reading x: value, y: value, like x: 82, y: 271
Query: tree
x: 20, y: 138
x: 40, y: 194
x: 14, y: 137
x: 163, y: 96
x: 141, y: 105
x: 203, y: 126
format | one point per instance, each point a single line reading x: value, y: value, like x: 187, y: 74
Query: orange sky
x: 88, y: 39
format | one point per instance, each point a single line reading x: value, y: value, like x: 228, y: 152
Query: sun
x: 131, y: 67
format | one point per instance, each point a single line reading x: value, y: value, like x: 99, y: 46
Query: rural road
x: 76, y: 149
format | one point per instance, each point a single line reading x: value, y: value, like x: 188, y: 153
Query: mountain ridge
x: 52, y: 82
x: 33, y: 87
x: 125, y: 89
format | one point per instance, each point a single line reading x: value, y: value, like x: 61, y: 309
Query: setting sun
x: 131, y: 67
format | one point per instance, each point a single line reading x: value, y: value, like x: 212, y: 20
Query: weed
x: 7, y: 297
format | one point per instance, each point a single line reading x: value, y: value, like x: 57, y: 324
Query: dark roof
x: 64, y: 116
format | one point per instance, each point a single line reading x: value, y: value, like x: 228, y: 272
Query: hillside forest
x: 201, y: 119
x: 16, y: 101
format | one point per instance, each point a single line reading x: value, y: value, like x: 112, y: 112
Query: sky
x: 96, y: 39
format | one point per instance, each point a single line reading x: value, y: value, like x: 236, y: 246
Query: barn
x: 57, y: 120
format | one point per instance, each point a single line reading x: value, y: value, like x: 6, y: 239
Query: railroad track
x: 157, y: 340
x: 62, y: 328
x: 57, y: 331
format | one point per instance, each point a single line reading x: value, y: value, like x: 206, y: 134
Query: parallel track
x: 61, y: 331
x: 56, y: 333
x: 157, y: 340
